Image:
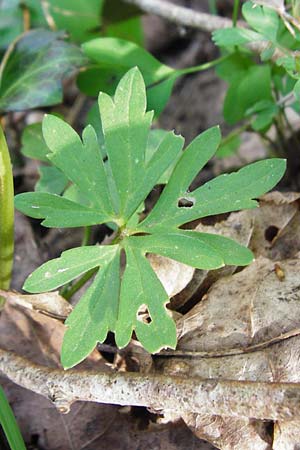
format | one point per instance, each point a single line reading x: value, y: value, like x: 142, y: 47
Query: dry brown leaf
x: 49, y: 303
x: 274, y: 234
x: 287, y: 435
x: 247, y: 328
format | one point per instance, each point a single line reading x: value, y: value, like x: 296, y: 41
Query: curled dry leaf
x: 247, y: 328
x: 49, y: 303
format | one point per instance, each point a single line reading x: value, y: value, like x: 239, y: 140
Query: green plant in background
x: 131, y: 298
x: 7, y: 419
x: 9, y: 424
x: 259, y: 94
x: 6, y: 215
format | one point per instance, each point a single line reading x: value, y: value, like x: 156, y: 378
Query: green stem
x: 9, y: 424
x: 69, y: 292
x: 6, y: 215
x: 236, y: 132
x: 202, y: 67
x: 86, y: 236
x: 235, y: 13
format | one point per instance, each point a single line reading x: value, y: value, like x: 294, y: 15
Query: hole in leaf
x: 186, y: 202
x: 143, y: 314
x: 271, y: 232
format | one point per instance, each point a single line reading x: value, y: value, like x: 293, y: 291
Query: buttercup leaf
x: 113, y: 190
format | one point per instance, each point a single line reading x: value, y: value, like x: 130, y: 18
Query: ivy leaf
x: 32, y: 70
x: 137, y: 300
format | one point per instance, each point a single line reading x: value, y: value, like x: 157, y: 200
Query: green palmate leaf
x: 52, y: 180
x: 156, y: 143
x: 265, y: 111
x: 200, y: 250
x: 229, y: 37
x: 126, y: 128
x: 265, y: 21
x: 136, y: 159
x: 262, y: 19
x: 94, y: 316
x: 32, y: 71
x: 58, y: 211
x: 141, y: 290
x: 70, y: 265
x: 11, y: 22
x: 80, y: 161
x: 223, y: 194
x: 33, y: 143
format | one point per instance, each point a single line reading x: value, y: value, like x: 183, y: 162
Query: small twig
x: 183, y: 16
x: 232, y: 351
x: 260, y: 400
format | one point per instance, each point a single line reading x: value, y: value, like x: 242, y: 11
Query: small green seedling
x: 112, y: 190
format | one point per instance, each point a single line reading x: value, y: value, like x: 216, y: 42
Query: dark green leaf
x: 116, y: 11
x: 11, y: 22
x: 33, y: 69
x: 33, y: 143
x: 130, y: 30
x: 229, y: 37
x: 51, y: 180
